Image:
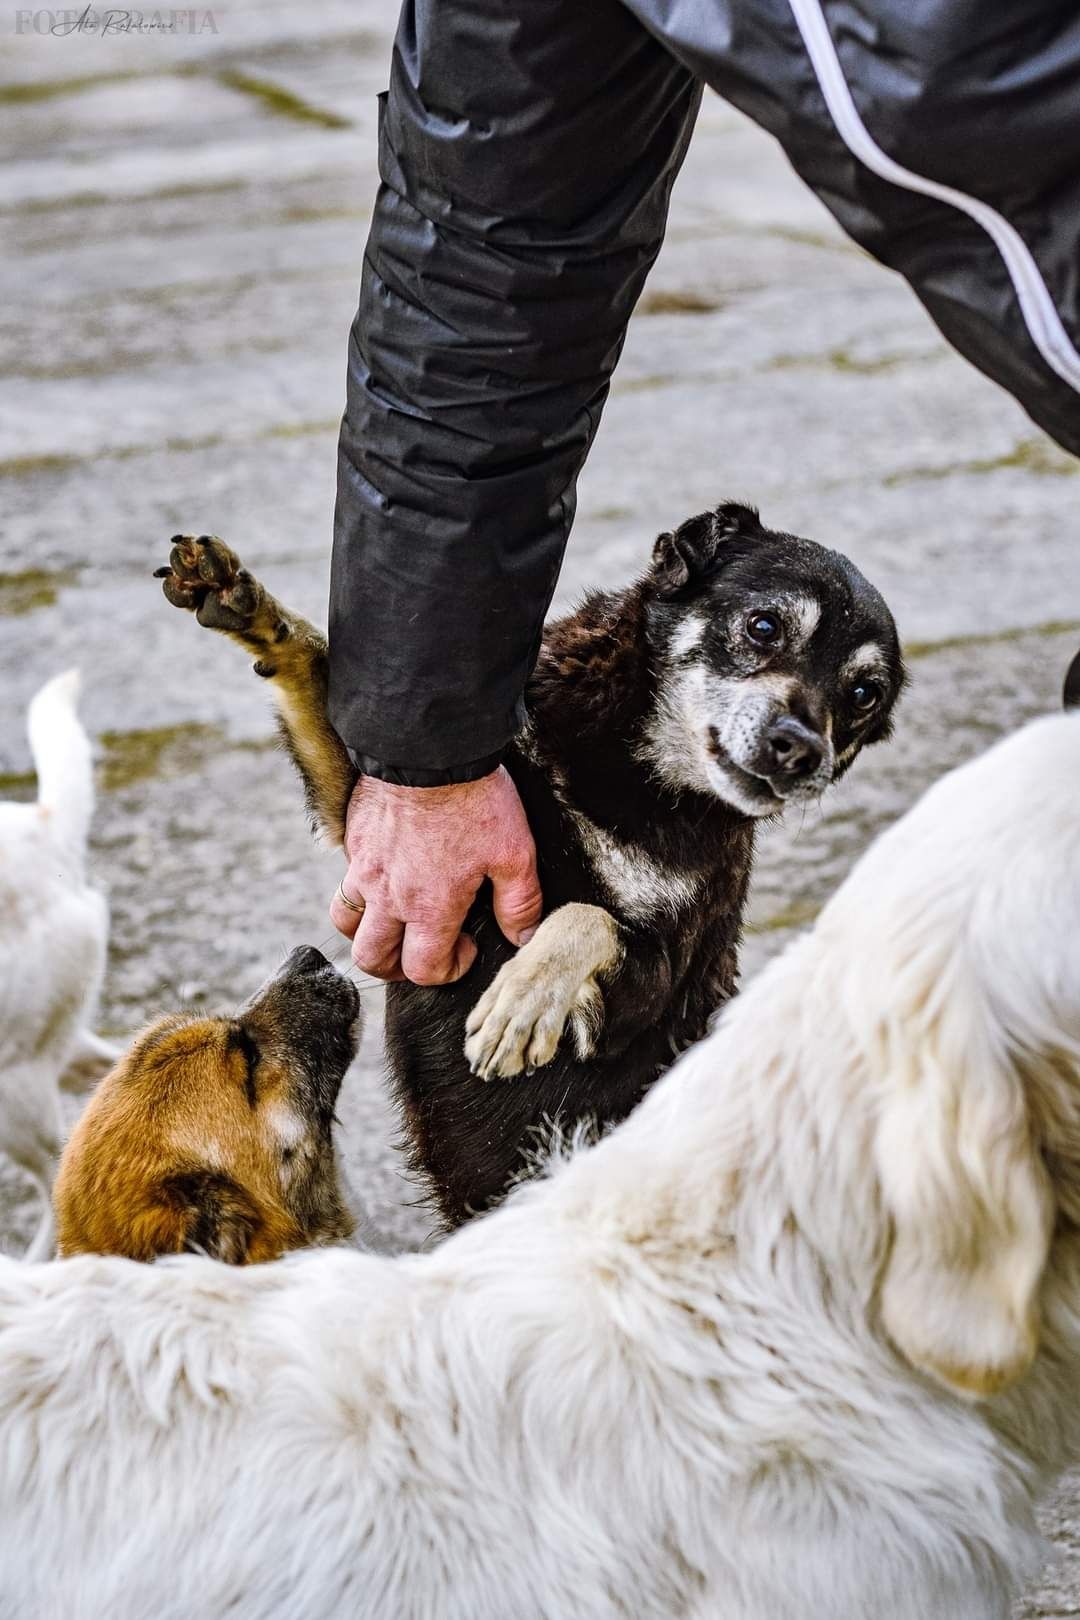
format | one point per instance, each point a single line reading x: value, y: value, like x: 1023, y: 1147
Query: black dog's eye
x: 865, y: 696
x: 764, y: 628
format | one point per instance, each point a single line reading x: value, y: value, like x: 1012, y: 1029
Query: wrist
x: 424, y: 777
x: 429, y: 798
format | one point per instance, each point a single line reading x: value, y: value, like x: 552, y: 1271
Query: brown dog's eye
x: 764, y: 628
x: 865, y: 696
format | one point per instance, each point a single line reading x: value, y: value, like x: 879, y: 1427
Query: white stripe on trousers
x: 1036, y: 305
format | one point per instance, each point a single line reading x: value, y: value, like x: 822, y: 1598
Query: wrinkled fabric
x: 527, y: 153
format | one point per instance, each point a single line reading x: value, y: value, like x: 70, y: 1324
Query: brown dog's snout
x: 305, y: 959
x: 791, y: 749
x: 305, y: 978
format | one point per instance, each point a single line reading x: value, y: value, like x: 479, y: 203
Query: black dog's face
x: 777, y: 662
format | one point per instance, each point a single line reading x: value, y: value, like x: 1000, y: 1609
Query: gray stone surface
x: 182, y: 228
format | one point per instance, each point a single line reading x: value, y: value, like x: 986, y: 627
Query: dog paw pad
x: 206, y: 577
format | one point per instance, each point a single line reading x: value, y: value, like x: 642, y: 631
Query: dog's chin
x: 351, y: 1025
x: 335, y: 1036
x: 318, y: 1097
x: 750, y: 794
x: 352, y: 1000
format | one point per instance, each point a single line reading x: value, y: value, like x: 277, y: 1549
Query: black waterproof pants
x: 527, y: 153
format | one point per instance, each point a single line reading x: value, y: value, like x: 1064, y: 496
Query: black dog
x: 744, y: 671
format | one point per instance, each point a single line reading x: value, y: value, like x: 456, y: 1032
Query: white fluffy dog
x: 799, y: 1341
x: 53, y: 933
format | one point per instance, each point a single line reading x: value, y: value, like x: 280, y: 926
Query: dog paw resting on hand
x: 551, y: 988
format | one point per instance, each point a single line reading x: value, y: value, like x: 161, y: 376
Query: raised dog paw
x: 520, y: 1019
x: 206, y: 577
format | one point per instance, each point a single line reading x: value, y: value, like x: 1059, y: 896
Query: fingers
x: 436, y: 955
x: 377, y: 944
x: 388, y: 948
x: 343, y: 917
x: 517, y: 899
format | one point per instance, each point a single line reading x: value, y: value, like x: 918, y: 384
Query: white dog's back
x: 739, y: 1361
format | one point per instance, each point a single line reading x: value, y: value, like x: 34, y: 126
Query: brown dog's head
x: 214, y: 1134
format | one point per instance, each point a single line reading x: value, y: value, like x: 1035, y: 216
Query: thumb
x: 518, y: 902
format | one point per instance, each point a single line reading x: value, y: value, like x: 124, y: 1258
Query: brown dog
x: 214, y: 1134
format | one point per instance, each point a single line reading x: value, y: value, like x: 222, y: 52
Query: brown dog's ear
x: 968, y: 1195
x: 213, y: 1215
x: 696, y: 547
x: 1071, y: 694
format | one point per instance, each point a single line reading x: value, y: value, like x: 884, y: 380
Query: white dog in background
x: 53, y: 934
x: 798, y: 1341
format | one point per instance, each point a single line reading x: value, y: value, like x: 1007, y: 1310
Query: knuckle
x: 429, y: 973
x: 370, y: 959
x: 439, y: 915
x: 519, y: 908
x: 430, y: 959
x: 376, y: 970
x: 365, y: 878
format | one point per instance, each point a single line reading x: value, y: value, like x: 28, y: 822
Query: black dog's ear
x: 1071, y: 695
x: 213, y: 1213
x: 696, y: 549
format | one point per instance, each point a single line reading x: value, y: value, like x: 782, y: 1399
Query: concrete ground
x: 183, y: 220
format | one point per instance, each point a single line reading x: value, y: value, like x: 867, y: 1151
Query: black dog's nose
x: 305, y: 959
x: 795, y: 750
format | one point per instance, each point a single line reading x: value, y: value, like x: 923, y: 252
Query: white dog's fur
x: 53, y: 933
x: 799, y: 1341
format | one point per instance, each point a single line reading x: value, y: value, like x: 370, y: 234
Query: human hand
x: 417, y: 856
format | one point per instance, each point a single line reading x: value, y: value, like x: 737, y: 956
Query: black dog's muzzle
x: 790, y: 750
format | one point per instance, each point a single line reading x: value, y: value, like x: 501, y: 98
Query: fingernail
x: 525, y: 935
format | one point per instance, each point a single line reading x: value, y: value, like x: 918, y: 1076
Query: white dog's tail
x: 62, y: 758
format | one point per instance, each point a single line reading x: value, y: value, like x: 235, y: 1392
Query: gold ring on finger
x: 352, y: 905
